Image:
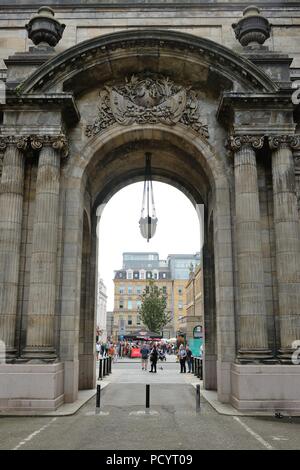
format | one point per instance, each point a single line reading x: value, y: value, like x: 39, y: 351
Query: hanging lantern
x: 148, y: 223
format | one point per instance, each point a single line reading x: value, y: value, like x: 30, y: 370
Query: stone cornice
x: 231, y: 100
x: 83, y: 54
x: 237, y: 142
x: 62, y: 101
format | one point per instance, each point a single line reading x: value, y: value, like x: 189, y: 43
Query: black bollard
x: 193, y: 368
x: 195, y: 365
x: 147, y: 396
x: 98, y: 397
x: 201, y: 369
x: 198, y: 368
x: 197, y: 398
x: 100, y: 369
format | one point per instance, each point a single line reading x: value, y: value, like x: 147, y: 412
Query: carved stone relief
x: 148, y: 99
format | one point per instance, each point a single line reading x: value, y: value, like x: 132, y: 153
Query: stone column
x: 11, y: 210
x: 286, y: 223
x: 253, y: 336
x: 40, y: 341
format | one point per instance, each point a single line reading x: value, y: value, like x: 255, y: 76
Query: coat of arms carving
x: 148, y: 100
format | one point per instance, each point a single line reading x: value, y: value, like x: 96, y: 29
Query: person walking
x: 182, y: 358
x: 98, y: 349
x: 189, y: 358
x: 153, y: 359
x: 145, y: 355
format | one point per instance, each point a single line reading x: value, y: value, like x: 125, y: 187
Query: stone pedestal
x: 31, y: 387
x: 265, y: 387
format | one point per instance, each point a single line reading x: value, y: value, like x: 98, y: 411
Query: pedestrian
x: 116, y: 353
x: 189, y: 358
x: 145, y: 355
x: 182, y: 359
x: 98, y: 349
x: 162, y: 356
x: 153, y: 359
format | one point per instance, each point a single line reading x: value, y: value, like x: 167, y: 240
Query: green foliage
x: 153, y: 308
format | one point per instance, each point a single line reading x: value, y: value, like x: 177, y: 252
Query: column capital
x: 284, y: 141
x: 236, y: 142
x: 20, y: 142
x: 58, y: 142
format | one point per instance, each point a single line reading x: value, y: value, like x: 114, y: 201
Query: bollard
x: 147, y: 396
x: 110, y: 361
x: 100, y: 369
x: 195, y: 366
x: 201, y: 369
x: 197, y: 398
x: 98, y: 396
x: 198, y: 368
x: 104, y: 367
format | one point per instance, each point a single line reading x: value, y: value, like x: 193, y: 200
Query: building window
x: 129, y: 289
x: 138, y: 303
x: 129, y: 320
x: 164, y: 289
x: 138, y: 320
x: 129, y: 275
x: 129, y: 304
x: 180, y: 306
x: 121, y: 290
x: 121, y: 303
x: 142, y: 275
x: 164, y: 275
x: 180, y: 291
x: 136, y: 275
x: 139, y: 290
x: 149, y: 275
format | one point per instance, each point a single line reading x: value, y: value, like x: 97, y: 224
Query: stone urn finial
x: 253, y: 28
x: 43, y: 28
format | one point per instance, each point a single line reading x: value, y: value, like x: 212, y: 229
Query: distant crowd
x: 152, y: 351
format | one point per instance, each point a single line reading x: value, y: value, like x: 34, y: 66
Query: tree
x: 153, y: 308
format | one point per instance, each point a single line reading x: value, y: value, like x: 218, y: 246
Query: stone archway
x: 180, y: 158
x: 85, y: 103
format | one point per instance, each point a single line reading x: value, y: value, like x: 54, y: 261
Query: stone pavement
x: 172, y: 422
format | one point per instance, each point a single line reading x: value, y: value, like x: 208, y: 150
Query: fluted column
x: 286, y: 222
x: 11, y: 209
x: 253, y: 338
x: 42, y: 289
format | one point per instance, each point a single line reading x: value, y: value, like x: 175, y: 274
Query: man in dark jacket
x: 153, y: 359
x: 145, y: 355
x: 189, y: 358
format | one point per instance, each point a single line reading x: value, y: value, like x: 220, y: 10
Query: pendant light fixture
x: 148, y: 222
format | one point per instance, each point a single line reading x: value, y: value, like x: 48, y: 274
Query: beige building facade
x: 194, y: 308
x: 209, y: 89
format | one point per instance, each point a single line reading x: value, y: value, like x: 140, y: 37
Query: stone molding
x: 36, y: 142
x: 148, y: 99
x: 236, y: 143
x: 81, y: 55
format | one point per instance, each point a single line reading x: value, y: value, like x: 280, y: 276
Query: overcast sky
x: 178, y: 229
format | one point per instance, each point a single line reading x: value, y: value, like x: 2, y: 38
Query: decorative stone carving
x: 44, y: 28
x: 253, y: 28
x: 290, y: 141
x: 20, y: 142
x: 235, y: 143
x: 148, y: 100
x: 58, y: 142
